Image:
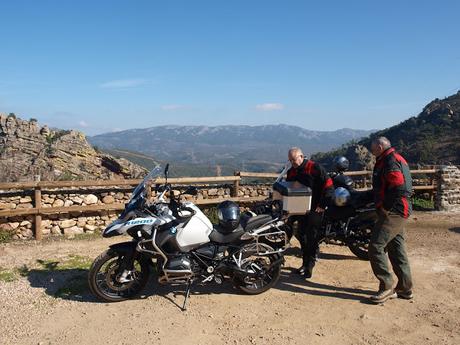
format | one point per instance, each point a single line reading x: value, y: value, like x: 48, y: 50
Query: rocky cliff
x: 28, y: 151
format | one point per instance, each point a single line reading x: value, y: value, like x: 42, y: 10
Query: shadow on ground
x: 456, y: 230
x: 67, y: 279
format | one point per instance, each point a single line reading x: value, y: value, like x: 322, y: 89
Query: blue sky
x: 100, y: 66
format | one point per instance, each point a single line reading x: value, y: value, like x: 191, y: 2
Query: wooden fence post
x: 236, y: 185
x: 38, y: 216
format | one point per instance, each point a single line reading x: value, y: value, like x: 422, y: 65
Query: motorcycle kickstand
x: 187, y: 295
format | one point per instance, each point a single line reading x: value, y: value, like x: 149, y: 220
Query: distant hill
x: 432, y: 137
x: 28, y: 150
x: 254, y: 148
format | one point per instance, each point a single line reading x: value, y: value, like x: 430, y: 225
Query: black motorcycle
x: 348, y: 220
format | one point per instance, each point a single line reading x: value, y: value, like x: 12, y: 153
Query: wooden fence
x: 38, y: 211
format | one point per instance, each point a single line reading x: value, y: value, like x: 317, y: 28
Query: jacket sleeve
x: 290, y: 176
x: 394, y: 184
x: 327, y: 187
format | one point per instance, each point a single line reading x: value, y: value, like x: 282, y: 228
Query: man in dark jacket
x: 392, y: 186
x: 313, y: 175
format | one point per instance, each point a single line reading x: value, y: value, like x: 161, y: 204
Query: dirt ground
x: 330, y: 308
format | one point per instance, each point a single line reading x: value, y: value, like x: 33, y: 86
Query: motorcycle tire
x: 102, y: 277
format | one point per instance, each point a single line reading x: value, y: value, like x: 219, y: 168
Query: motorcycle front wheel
x: 104, y: 274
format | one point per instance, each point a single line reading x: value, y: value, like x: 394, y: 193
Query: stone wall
x: 74, y: 223
x: 448, y: 191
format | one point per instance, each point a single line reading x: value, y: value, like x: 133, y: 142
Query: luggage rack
x: 261, y: 233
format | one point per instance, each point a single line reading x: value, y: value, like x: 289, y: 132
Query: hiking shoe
x: 405, y: 294
x: 382, y: 295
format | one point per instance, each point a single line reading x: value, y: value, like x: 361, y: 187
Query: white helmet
x: 341, y: 196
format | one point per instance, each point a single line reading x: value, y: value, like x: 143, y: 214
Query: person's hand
x: 319, y: 209
x: 384, y: 212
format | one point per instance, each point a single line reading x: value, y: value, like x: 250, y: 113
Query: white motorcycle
x: 184, y: 247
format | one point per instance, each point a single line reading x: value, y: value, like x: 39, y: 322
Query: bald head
x: 295, y: 150
x: 379, y: 145
x: 295, y: 156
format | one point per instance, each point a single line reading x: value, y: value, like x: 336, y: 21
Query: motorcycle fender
x: 124, y: 248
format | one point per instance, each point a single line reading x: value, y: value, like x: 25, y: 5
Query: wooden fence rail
x: 37, y: 187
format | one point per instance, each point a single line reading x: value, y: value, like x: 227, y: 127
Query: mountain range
x: 252, y: 148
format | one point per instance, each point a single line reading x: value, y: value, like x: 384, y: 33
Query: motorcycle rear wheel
x: 360, y: 250
x: 269, y: 266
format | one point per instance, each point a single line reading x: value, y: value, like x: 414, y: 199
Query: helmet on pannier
x: 229, y: 215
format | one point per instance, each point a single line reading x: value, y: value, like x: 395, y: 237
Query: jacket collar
x: 302, y: 166
x: 386, y: 153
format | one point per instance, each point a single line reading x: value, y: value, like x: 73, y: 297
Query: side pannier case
x: 295, y: 196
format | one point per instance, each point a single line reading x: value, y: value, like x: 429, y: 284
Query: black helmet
x: 341, y: 163
x: 343, y: 181
x: 229, y: 215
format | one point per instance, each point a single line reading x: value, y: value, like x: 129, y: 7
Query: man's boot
x: 301, y: 270
x: 308, y: 271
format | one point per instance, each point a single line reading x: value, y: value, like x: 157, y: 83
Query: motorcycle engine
x: 180, y: 263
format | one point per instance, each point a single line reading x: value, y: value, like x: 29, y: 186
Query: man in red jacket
x: 313, y: 175
x: 392, y: 186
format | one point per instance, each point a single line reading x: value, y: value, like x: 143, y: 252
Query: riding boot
x: 308, y: 272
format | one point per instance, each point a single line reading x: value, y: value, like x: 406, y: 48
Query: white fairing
x: 195, y: 232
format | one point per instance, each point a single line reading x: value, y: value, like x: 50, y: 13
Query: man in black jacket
x: 313, y: 175
x: 392, y: 186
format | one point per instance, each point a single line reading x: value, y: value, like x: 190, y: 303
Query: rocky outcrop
x: 28, y: 151
x: 360, y: 158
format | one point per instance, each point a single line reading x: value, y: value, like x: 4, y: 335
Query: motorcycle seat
x: 224, y: 238
x: 255, y: 222
x: 246, y: 224
x: 360, y: 199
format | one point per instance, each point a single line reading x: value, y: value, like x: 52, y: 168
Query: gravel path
x: 328, y: 309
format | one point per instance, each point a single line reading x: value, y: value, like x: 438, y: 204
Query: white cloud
x: 123, y: 83
x: 83, y: 124
x: 269, y: 106
x: 168, y: 107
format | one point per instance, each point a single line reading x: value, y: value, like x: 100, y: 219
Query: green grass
x: 7, y: 275
x: 5, y: 236
x: 72, y: 262
x: 211, y: 213
x: 74, y: 268
x: 75, y: 286
x: 421, y: 204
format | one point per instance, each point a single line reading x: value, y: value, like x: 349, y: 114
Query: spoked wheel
x: 104, y: 274
x: 263, y: 271
x: 359, y: 245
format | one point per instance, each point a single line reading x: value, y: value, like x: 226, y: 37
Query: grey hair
x: 295, y: 150
x: 382, y: 141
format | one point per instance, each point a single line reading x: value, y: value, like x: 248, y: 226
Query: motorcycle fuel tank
x: 195, y: 232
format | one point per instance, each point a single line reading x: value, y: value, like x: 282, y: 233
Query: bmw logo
x: 173, y: 230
